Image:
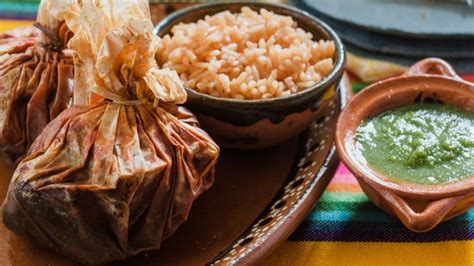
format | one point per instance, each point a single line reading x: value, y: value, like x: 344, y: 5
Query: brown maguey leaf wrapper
x: 36, y: 78
x: 119, y: 175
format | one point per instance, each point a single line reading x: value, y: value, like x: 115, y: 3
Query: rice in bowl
x: 250, y: 55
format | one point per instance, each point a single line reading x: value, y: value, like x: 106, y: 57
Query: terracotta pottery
x: 257, y: 201
x: 250, y: 124
x: 419, y: 207
x: 161, y: 9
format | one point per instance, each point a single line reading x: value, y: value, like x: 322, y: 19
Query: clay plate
x: 257, y: 201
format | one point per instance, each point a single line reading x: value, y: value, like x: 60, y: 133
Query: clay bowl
x: 250, y: 124
x: 419, y: 207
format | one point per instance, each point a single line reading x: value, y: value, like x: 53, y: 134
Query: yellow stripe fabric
x: 373, y: 253
x: 6, y: 25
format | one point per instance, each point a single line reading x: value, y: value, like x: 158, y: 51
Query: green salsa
x: 424, y: 143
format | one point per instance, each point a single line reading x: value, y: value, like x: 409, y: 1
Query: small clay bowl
x: 250, y: 124
x: 419, y: 207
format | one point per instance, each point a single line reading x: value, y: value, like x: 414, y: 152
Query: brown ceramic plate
x: 258, y: 199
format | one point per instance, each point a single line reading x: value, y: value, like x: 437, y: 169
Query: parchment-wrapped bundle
x: 36, y: 78
x: 119, y: 175
x: 17, y: 41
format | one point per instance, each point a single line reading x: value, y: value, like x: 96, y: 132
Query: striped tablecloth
x: 344, y: 228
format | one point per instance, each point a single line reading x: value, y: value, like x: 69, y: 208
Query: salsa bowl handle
x: 422, y: 221
x: 432, y: 65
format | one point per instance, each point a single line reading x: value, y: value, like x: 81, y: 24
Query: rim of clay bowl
x: 298, y: 15
x: 422, y: 75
